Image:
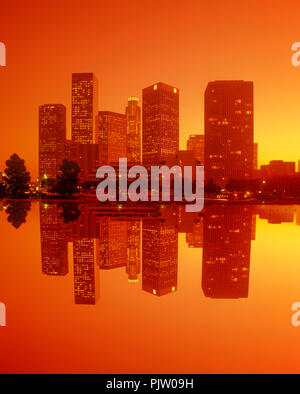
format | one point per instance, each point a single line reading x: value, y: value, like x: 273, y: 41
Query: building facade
x: 160, y: 123
x: 52, y: 136
x: 112, y: 137
x: 255, y: 156
x: 84, y: 108
x: 86, y: 156
x: 226, y: 251
x: 159, y: 257
x: 228, y: 131
x: 134, y: 130
x: 277, y: 169
x: 195, y: 143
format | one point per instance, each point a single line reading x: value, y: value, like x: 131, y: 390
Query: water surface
x: 149, y: 291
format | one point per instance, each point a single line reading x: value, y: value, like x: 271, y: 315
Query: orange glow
x: 241, y: 325
x: 138, y: 43
x: 128, y: 292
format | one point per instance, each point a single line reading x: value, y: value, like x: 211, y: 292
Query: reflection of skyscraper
x: 276, y: 214
x: 86, y: 277
x: 112, y: 243
x: 195, y: 239
x: 195, y: 143
x: 160, y: 257
x: 112, y: 137
x: 228, y: 131
x: 133, y: 250
x: 226, y: 251
x: 53, y: 243
x: 84, y: 108
x: 297, y: 215
x: 160, y: 123
x: 133, y: 116
x: 52, y: 135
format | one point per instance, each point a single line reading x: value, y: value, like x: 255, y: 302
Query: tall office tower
x: 228, y: 131
x: 112, y: 243
x: 86, y: 275
x: 53, y: 242
x: 226, y: 251
x: 82, y: 222
x: 255, y: 156
x: 112, y: 137
x: 160, y: 124
x: 134, y: 128
x: 86, y: 156
x: 133, y: 250
x: 195, y: 239
x: 195, y: 143
x: 52, y: 136
x: 160, y: 257
x: 84, y: 108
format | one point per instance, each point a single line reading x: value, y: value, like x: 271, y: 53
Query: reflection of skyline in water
x: 226, y: 251
x: 144, y: 243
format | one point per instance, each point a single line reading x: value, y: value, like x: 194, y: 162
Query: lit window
x: 155, y: 87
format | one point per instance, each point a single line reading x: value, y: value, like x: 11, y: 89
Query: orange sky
x: 131, y: 44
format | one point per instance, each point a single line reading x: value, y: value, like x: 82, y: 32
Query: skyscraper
x: 255, y: 156
x: 84, y: 108
x: 86, y: 156
x: 112, y: 243
x: 195, y: 143
x: 86, y: 275
x: 52, y: 136
x: 228, y: 131
x: 195, y: 239
x: 112, y: 137
x: 226, y: 251
x: 134, y: 128
x: 133, y: 250
x: 160, y: 123
x: 53, y: 242
x: 160, y: 257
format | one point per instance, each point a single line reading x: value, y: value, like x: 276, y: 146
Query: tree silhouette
x: 16, y: 177
x: 212, y: 188
x: 3, y: 188
x: 67, y: 179
x: 70, y: 212
x: 17, y: 212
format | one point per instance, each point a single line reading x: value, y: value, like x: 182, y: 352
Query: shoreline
x: 123, y: 204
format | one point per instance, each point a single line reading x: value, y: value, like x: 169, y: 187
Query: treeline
x: 15, y: 179
x: 280, y: 187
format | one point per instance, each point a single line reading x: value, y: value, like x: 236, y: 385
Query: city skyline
x: 180, y: 46
x: 150, y: 188
x: 149, y: 133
